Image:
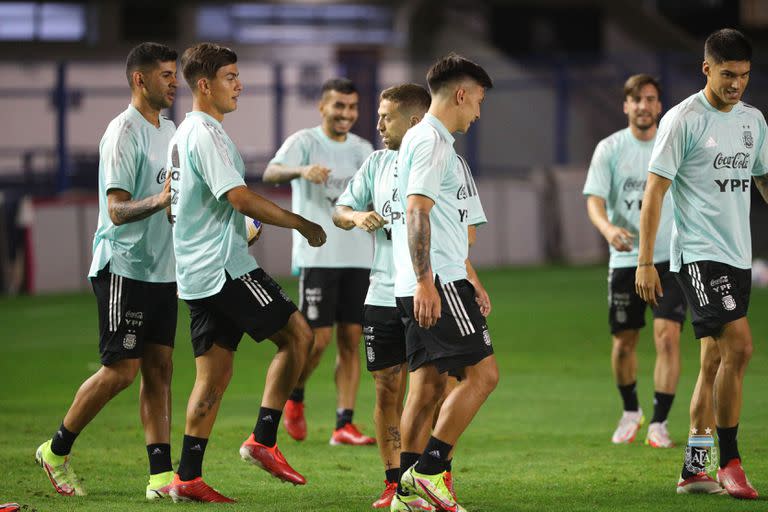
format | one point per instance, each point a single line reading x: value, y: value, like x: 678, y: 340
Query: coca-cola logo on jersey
x: 737, y: 161
x: 633, y: 185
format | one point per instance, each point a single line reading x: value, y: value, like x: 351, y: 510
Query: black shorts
x: 459, y: 339
x: 132, y: 314
x: 626, y: 310
x: 333, y: 295
x: 384, y: 334
x: 718, y: 294
x: 252, y: 303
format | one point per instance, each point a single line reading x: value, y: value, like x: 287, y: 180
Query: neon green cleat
x: 159, y: 486
x: 433, y: 488
x: 57, y: 468
x: 410, y: 503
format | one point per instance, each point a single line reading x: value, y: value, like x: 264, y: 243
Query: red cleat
x: 270, y: 460
x: 293, y: 419
x: 700, y: 483
x: 195, y: 490
x: 385, y: 500
x: 349, y: 434
x: 9, y: 507
x: 735, y: 482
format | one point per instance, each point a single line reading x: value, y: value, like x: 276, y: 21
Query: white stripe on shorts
x: 471, y: 328
x: 115, y: 296
x: 693, y: 271
x: 256, y: 289
x: 457, y: 309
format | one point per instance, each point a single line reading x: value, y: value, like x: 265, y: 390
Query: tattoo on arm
x: 419, y: 238
x: 123, y: 212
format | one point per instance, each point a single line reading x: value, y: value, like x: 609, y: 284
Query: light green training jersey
x: 710, y: 156
x: 342, y: 249
x: 618, y: 173
x: 209, y: 236
x: 427, y: 165
x: 132, y: 157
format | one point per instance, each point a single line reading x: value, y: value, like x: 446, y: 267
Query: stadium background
x: 558, y: 68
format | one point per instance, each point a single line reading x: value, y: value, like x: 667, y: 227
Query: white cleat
x: 658, y: 436
x: 629, y: 424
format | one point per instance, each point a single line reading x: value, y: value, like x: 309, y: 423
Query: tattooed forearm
x: 419, y: 237
x: 123, y: 212
x: 761, y: 182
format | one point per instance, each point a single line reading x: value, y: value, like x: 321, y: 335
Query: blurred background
x: 558, y: 67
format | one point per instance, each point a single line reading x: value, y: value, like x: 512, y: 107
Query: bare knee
x: 388, y: 384
x: 738, y: 354
x: 157, y: 371
x: 120, y: 375
x: 624, y: 345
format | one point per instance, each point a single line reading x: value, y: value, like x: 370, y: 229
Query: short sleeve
x: 427, y: 162
x: 293, y: 152
x: 599, y: 174
x: 670, y: 146
x: 121, y: 157
x: 359, y: 194
x: 214, y: 163
x: 761, y: 159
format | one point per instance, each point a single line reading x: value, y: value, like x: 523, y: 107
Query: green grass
x: 542, y: 441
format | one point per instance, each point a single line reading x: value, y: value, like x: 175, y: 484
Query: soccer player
x: 614, y: 190
x: 707, y: 149
x: 319, y: 162
x: 445, y: 328
x: 227, y: 293
x: 132, y: 274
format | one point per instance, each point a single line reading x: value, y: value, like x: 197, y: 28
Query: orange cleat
x: 195, y: 490
x: 385, y: 500
x: 735, y: 482
x: 349, y: 434
x: 293, y: 419
x: 270, y: 460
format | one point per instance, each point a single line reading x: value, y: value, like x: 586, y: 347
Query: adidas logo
x: 268, y: 418
x: 196, y: 448
x: 59, y: 434
x: 158, y: 451
x: 435, y: 453
x: 710, y: 143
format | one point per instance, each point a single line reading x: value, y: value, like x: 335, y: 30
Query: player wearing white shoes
x: 227, y: 293
x: 708, y: 149
x: 614, y: 190
x: 319, y: 162
x: 445, y: 328
x: 132, y: 274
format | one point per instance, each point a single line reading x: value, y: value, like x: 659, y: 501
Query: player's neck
x: 445, y: 113
x: 207, y: 108
x: 715, y: 101
x: 148, y: 112
x: 643, y: 135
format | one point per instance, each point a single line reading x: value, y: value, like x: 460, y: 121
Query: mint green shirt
x: 132, y: 157
x: 427, y: 165
x: 618, y: 173
x: 342, y: 249
x: 710, y: 156
x: 209, y: 236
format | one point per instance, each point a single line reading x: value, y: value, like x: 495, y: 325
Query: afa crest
x: 747, y: 138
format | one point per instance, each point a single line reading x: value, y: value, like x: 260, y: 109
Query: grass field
x: 542, y: 442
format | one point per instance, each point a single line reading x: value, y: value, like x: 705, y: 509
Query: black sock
x: 343, y: 416
x: 407, y: 459
x: 393, y: 475
x: 662, y: 403
x: 159, y: 458
x: 265, y: 431
x: 61, y: 443
x: 192, y: 453
x: 435, y: 456
x: 448, y: 464
x: 729, y: 449
x: 629, y: 396
x: 297, y: 395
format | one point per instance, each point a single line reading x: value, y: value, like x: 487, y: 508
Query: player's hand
x: 165, y: 195
x: 369, y: 221
x: 648, y: 284
x: 314, y: 233
x: 483, y: 299
x: 426, y: 304
x: 315, y: 173
x: 619, y: 238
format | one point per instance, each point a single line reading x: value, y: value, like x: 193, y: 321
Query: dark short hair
x: 146, y: 56
x: 408, y: 97
x: 636, y: 82
x: 454, y: 67
x: 727, y: 44
x: 203, y: 61
x: 342, y: 85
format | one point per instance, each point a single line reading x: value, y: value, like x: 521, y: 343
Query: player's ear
x: 137, y: 79
x: 203, y: 86
x: 705, y: 68
x: 461, y: 94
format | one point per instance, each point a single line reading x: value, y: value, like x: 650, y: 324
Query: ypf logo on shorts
x: 729, y: 303
x: 129, y: 341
